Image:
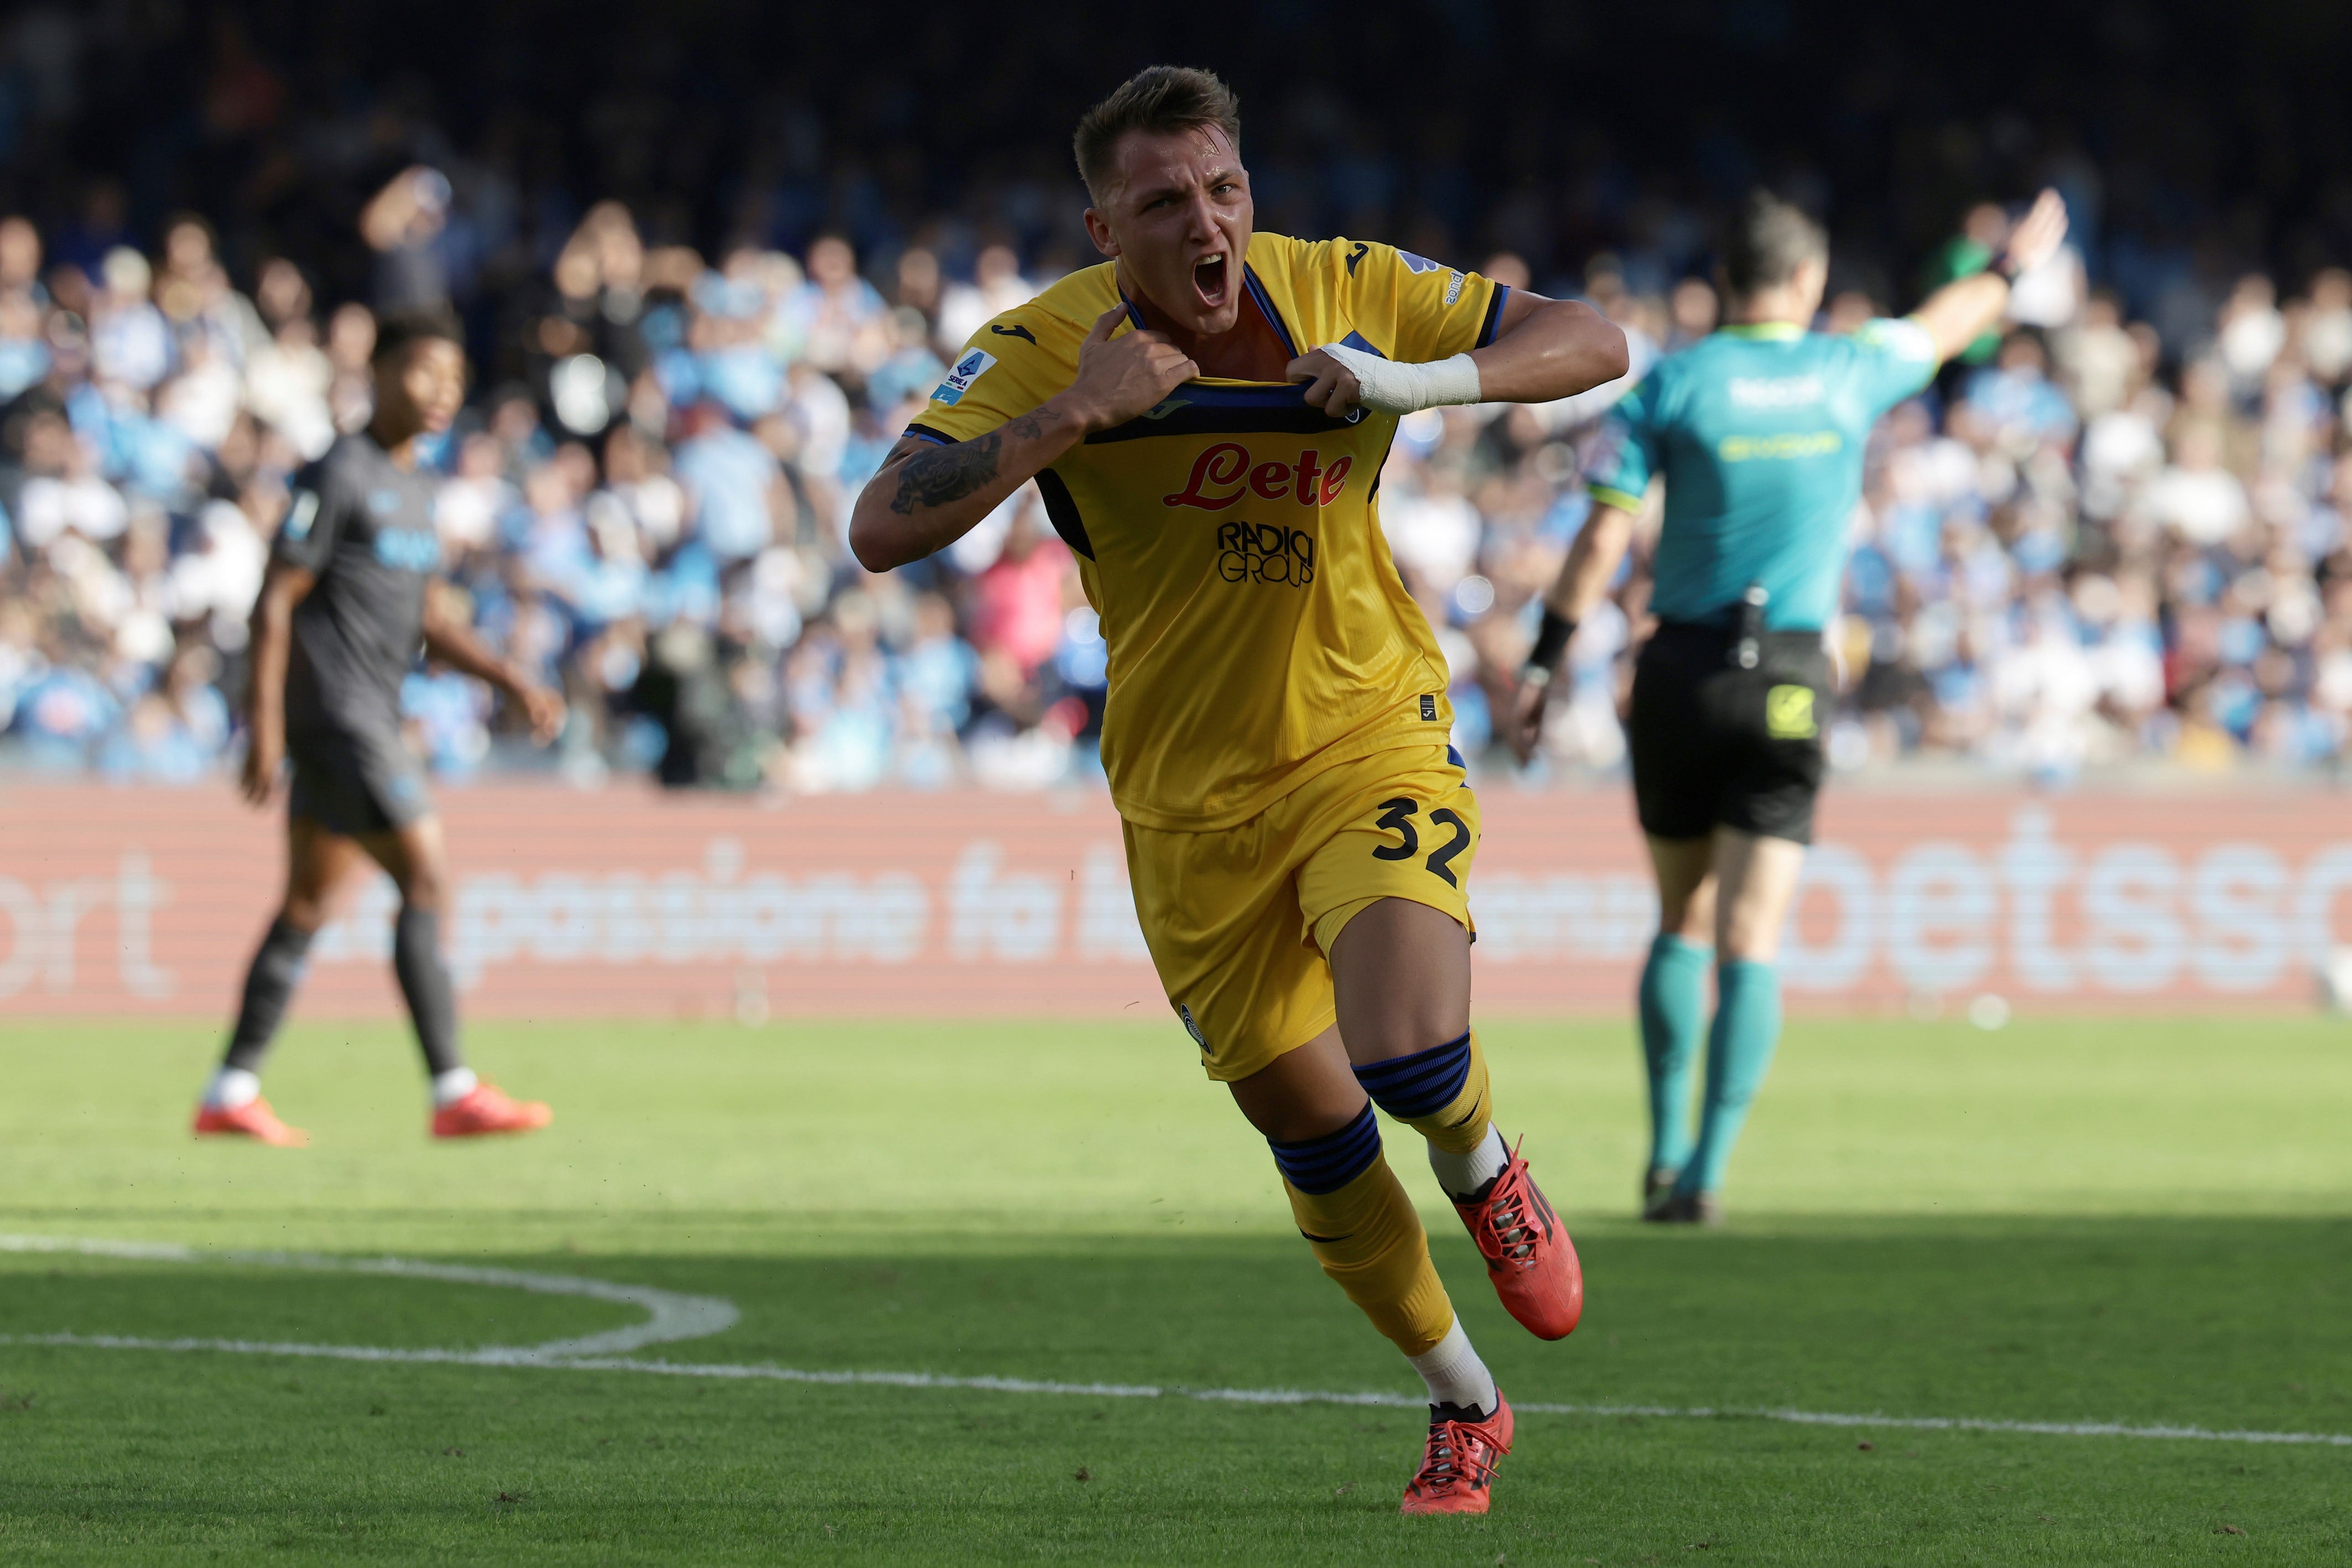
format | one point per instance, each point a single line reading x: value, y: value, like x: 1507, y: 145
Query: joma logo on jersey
x: 1264, y: 552
x: 1223, y: 474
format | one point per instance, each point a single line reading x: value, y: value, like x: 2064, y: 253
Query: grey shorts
x: 356, y: 781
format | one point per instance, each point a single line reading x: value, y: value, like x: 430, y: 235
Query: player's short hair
x: 397, y: 330
x: 1767, y: 240
x: 1156, y: 99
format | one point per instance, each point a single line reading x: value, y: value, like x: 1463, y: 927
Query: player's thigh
x: 1400, y: 979
x: 1686, y: 887
x: 416, y: 856
x: 1755, y: 876
x: 1384, y: 890
x: 1220, y: 915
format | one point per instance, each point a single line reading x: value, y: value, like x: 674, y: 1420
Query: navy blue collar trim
x: 1257, y: 292
x: 1265, y: 304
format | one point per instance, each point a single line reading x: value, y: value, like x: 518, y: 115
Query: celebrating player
x: 347, y: 601
x: 1206, y: 414
x: 1758, y: 433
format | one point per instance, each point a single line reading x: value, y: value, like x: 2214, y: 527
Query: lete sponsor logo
x: 1223, y: 474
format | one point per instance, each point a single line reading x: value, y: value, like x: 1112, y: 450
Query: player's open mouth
x: 1209, y: 276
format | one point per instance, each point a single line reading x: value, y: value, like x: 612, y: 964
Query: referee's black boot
x: 1684, y: 1209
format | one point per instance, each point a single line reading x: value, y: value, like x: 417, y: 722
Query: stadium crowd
x: 2105, y: 540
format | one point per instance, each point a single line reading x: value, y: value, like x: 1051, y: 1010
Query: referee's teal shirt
x: 1758, y: 431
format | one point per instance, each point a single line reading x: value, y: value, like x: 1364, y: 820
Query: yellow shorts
x: 1239, y: 921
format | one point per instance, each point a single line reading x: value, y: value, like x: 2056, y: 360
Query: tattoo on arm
x: 945, y: 474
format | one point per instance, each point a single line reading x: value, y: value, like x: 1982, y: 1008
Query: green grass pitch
x: 2141, y: 1223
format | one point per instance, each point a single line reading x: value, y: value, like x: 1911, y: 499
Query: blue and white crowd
x: 2120, y: 539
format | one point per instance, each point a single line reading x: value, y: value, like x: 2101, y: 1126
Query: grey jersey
x: 365, y: 526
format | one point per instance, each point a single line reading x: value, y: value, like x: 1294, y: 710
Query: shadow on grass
x: 2221, y: 1323
x: 2235, y: 1323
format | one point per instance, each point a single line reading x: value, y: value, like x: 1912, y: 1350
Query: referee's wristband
x: 1551, y: 642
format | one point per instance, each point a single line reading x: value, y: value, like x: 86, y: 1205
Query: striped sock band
x: 1421, y: 1084
x: 1320, y: 1165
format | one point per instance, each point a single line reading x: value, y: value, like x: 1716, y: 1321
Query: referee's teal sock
x: 1739, y: 1049
x: 1673, y: 1001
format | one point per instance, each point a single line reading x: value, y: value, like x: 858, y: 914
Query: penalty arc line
x: 673, y: 1315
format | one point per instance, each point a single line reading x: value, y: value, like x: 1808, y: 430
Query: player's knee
x: 1751, y: 936
x: 425, y: 887
x: 303, y: 911
x: 1389, y: 1036
x: 1691, y: 918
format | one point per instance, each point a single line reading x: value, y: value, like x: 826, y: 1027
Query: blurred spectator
x: 2119, y: 535
x: 403, y: 225
x: 732, y: 481
x: 1017, y: 602
x: 836, y: 317
x: 996, y: 286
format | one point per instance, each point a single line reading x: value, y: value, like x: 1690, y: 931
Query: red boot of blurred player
x: 486, y: 1108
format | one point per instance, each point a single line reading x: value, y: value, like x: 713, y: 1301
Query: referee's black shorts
x: 1714, y: 745
x: 355, y: 781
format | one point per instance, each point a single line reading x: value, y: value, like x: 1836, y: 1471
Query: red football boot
x: 1528, y: 1253
x: 1457, y: 1467
x: 484, y: 1108
x: 254, y: 1120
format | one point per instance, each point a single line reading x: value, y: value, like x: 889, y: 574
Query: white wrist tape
x: 1391, y: 388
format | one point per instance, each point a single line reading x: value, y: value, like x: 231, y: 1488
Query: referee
x: 1758, y: 433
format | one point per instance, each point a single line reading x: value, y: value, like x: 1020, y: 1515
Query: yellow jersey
x: 1230, y: 537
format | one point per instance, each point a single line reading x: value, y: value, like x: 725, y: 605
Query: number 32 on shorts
x: 1396, y: 816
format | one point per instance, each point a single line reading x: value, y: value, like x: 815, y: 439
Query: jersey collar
x: 1764, y: 331
x: 1258, y: 297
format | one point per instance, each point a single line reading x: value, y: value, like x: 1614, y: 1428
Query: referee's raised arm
x: 1965, y: 308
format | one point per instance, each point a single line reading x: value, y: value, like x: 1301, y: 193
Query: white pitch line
x: 671, y: 1315
x: 679, y: 1316
x: 773, y: 1374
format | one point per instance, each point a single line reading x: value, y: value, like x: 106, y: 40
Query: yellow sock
x: 1441, y: 1093
x: 1369, y: 1239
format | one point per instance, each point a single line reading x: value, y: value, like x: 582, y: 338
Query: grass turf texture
x: 2141, y: 1221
